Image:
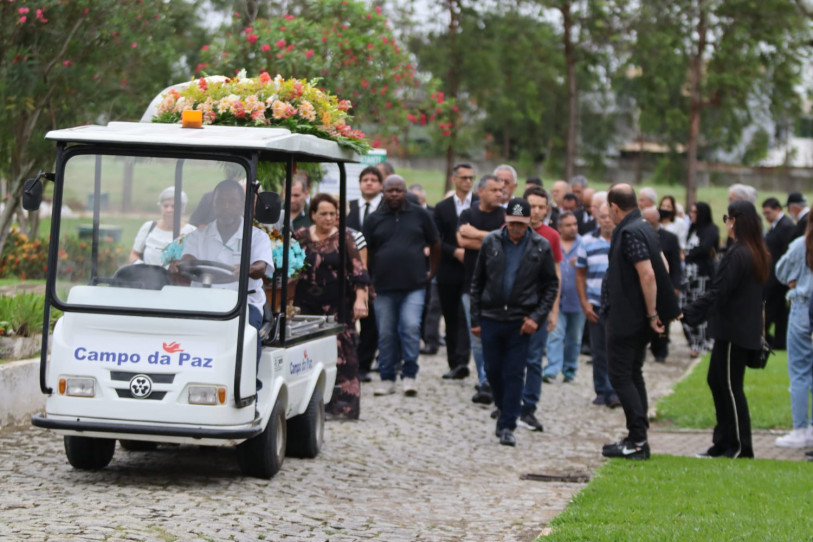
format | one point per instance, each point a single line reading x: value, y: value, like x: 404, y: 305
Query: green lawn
x: 691, y: 406
x: 682, y: 499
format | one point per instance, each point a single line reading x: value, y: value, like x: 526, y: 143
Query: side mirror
x: 267, y: 207
x: 32, y: 194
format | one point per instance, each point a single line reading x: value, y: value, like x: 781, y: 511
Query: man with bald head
x: 396, y: 235
x: 637, y: 298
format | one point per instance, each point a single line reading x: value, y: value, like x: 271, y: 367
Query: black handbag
x: 759, y: 358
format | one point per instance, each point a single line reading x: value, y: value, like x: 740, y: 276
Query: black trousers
x: 458, y: 345
x: 732, y: 434
x: 776, y: 313
x: 368, y: 340
x: 625, y: 360
x: 430, y: 321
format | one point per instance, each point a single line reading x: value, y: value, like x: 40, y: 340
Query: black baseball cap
x: 518, y: 210
x: 796, y: 197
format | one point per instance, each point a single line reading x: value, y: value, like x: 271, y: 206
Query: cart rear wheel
x: 89, y: 453
x: 138, y: 445
x: 306, y: 432
x: 262, y: 456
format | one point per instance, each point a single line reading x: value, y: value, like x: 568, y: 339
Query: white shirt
x: 151, y: 240
x: 461, y: 205
x: 206, y: 244
x: 374, y: 203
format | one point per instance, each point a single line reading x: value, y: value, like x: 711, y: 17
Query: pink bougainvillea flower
x: 248, y: 30
x: 369, y: 45
x: 309, y: 52
x: 265, y: 48
x: 252, y: 38
x: 67, y: 63
x: 134, y: 45
x: 280, y: 43
x: 22, y: 11
x: 282, y: 29
x: 124, y: 82
x: 324, y: 39
x: 204, y: 48
x: 289, y: 48
x: 22, y: 19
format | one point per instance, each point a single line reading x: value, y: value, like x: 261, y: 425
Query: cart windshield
x: 151, y: 232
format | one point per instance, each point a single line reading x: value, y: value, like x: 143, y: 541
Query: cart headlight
x: 206, y: 395
x: 77, y: 387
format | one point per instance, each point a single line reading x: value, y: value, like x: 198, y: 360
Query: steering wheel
x: 207, y: 272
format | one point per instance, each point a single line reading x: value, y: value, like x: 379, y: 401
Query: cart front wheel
x: 262, y: 456
x: 89, y: 453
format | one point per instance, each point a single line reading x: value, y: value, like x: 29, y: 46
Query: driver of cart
x: 222, y: 240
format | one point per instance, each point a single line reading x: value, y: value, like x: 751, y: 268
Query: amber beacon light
x: 192, y: 119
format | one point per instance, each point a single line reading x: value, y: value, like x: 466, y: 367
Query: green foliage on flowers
x: 295, y: 104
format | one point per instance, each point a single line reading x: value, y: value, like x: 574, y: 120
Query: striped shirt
x: 593, y: 254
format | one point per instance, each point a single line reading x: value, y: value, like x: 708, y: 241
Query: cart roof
x: 272, y: 140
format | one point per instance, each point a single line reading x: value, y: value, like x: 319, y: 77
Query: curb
x: 20, y: 395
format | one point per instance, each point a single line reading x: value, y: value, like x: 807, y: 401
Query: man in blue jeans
x: 396, y: 235
x: 513, y: 289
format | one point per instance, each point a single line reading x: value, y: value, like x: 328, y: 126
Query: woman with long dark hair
x: 794, y: 271
x: 733, y: 307
x: 667, y: 210
x: 701, y: 250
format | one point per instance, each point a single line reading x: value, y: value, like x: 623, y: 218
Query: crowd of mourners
x: 528, y: 279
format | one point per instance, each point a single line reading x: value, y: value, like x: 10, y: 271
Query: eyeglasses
x: 465, y: 177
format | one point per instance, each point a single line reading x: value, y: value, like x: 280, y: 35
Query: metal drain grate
x: 570, y: 478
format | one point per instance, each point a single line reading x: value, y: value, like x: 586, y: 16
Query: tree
x: 68, y: 63
x: 347, y: 46
x: 707, y: 67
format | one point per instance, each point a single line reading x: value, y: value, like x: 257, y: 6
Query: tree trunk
x: 695, y: 107
x: 571, y: 149
x: 454, y: 84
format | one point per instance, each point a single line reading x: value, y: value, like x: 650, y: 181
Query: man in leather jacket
x: 513, y: 289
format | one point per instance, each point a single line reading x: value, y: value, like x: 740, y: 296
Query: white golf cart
x: 145, y: 356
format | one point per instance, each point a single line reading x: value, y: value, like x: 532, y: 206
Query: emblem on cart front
x: 140, y: 386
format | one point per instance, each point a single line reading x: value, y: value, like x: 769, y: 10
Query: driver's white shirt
x: 206, y: 244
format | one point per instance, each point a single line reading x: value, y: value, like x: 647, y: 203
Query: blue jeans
x: 476, y: 343
x: 533, y: 370
x: 398, y: 316
x: 800, y: 363
x: 564, y: 344
x: 598, y: 349
x: 505, y: 351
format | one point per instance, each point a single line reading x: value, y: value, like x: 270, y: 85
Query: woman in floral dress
x: 317, y: 293
x: 701, y: 251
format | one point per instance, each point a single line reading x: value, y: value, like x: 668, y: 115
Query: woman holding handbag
x: 733, y: 307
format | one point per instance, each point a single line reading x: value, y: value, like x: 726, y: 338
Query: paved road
x: 425, y: 468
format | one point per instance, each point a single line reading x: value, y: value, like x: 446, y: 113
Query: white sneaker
x: 385, y: 387
x: 795, y: 439
x: 410, y: 387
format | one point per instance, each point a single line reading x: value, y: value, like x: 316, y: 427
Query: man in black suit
x: 797, y: 207
x: 778, y: 237
x: 670, y: 246
x: 430, y: 320
x: 370, y: 183
x: 451, y: 273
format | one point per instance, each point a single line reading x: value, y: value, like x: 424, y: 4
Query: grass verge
x: 678, y: 498
x: 691, y: 406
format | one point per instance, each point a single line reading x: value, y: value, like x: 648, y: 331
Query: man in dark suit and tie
x: 370, y: 183
x: 451, y: 273
x: 779, y: 235
x: 670, y: 246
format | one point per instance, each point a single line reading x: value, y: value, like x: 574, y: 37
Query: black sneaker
x: 529, y: 421
x: 483, y: 396
x: 507, y: 437
x: 627, y: 450
x: 714, y: 451
x: 495, y: 413
x: 809, y: 455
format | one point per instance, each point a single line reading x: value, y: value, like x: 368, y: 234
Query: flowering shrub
x: 75, y: 258
x: 295, y: 104
x: 296, y: 254
x: 22, y: 257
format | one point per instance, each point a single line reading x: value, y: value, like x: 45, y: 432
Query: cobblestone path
x: 424, y: 468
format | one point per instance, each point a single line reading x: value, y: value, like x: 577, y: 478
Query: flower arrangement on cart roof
x: 295, y: 104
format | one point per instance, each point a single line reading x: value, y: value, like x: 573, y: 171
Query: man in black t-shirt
x: 475, y: 222
x: 396, y: 235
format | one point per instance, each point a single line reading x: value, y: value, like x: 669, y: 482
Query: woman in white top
x: 155, y: 235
